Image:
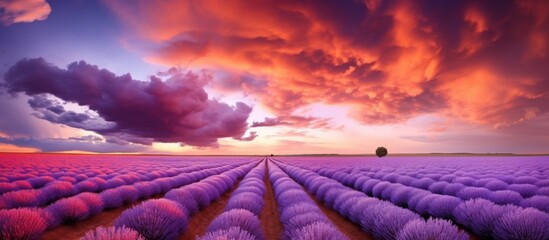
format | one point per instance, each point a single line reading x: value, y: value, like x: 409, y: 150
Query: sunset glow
x: 282, y: 77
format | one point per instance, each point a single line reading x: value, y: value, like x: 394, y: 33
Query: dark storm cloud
x: 125, y: 110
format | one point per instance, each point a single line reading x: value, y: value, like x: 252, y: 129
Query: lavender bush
x: 160, y: 219
x: 112, y: 233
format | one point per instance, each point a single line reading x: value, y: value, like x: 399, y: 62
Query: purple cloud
x: 125, y: 110
x: 296, y: 121
x: 86, y: 143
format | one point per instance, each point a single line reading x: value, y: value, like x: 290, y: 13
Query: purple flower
x: 155, y: 219
x: 38, y: 182
x: 544, y: 191
x: 405, y: 180
x: 115, y: 182
x: 373, y: 213
x: 379, y: 188
x: 147, y: 189
x: 112, y: 233
x: 297, y: 209
x: 453, y: 188
x: 401, y: 195
x: 292, y: 196
x: 93, y: 202
x: 111, y: 198
x: 340, y: 202
x: 248, y: 201
x: 304, y: 219
x: 495, y: 185
x: 388, y: 224
x: 230, y: 233
x: 250, y: 188
x: 443, y: 206
x: 479, y: 215
x: 241, y: 218
x: 422, y: 183
x: 525, y: 180
x: 331, y: 195
x: 505, y: 197
x: 68, y: 210
x: 185, y: 197
x: 526, y: 190
x: 369, y: 185
x: 317, y: 230
x: 539, y: 202
x: 21, y: 223
x: 473, y: 192
x: 438, y: 187
x: 524, y: 224
x: 467, y: 181
x: 56, y: 190
x: 86, y: 186
x: 439, y: 229
x: 360, y: 181
x: 416, y: 196
x: 21, y: 198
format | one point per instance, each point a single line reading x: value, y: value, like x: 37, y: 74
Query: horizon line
x: 292, y: 154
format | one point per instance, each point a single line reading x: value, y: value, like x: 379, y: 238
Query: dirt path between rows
x: 344, y: 225
x: 198, y: 223
x: 269, y: 217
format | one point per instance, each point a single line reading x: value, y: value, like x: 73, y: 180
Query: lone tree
x: 381, y: 152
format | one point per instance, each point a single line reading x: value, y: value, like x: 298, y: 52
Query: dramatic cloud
x: 15, y: 11
x: 295, y: 121
x: 124, y: 110
x: 484, y: 62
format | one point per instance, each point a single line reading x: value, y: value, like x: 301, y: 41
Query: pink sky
x: 283, y: 77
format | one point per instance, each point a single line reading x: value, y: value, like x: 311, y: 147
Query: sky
x: 274, y: 77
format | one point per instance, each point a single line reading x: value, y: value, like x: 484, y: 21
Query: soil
x: 343, y: 224
x: 198, y: 223
x: 269, y: 217
x: 346, y: 226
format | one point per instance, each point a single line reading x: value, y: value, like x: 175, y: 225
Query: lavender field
x: 51, y: 196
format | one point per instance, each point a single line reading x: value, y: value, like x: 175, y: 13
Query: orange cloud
x: 483, y: 62
x: 13, y: 148
x: 16, y: 11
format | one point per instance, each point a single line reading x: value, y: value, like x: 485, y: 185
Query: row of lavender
x: 299, y: 214
x: 61, y: 189
x: 517, y: 194
x: 167, y: 218
x: 382, y: 219
x: 484, y: 218
x: 494, y: 190
x: 240, y: 219
x: 527, y: 175
x: 15, y: 167
x: 30, y: 223
x: 21, y: 172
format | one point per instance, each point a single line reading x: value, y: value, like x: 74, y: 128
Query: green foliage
x: 381, y: 151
